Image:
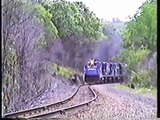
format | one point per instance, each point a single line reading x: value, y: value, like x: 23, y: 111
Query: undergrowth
x: 63, y: 71
x: 142, y: 90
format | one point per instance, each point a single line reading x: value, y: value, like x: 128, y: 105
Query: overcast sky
x: 108, y: 9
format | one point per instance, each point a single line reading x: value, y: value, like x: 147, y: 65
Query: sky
x: 109, y: 9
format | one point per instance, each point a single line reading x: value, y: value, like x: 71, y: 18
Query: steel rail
x: 63, y: 110
x: 39, y: 109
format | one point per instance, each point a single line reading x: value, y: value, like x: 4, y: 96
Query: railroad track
x: 52, y: 109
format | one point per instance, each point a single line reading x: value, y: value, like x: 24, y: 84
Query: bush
x: 141, y: 79
x: 134, y: 57
x: 63, y: 71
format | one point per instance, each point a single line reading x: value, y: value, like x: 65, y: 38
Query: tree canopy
x: 141, y: 30
x: 140, y: 42
x: 66, y: 18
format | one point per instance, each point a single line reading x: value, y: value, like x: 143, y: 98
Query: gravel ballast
x: 113, y: 104
x: 60, y: 90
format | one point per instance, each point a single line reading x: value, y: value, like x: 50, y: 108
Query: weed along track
x: 56, y: 108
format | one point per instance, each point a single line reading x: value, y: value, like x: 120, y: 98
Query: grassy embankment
x: 152, y: 91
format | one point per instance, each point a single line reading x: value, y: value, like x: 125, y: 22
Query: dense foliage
x: 140, y: 40
x: 142, y: 29
x: 134, y: 57
x: 68, y: 18
x: 74, y: 25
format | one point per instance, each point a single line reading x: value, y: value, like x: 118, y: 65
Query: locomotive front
x: 92, y: 72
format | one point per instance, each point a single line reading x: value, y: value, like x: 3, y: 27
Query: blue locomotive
x: 92, y: 72
x: 103, y: 72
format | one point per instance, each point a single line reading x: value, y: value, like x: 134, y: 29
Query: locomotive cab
x: 92, y: 74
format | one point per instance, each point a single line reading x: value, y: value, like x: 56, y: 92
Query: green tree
x: 140, y: 41
x: 76, y: 25
x: 142, y: 30
x: 73, y: 18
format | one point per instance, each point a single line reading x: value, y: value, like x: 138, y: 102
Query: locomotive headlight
x: 92, y: 62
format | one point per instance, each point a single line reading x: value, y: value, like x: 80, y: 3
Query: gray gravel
x: 112, y: 104
x: 146, y: 99
x: 83, y: 95
x: 130, y: 105
x: 60, y: 90
x: 116, y: 105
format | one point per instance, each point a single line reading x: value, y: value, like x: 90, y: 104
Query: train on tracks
x: 103, y: 72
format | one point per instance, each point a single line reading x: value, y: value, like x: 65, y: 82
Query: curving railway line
x: 53, y: 109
